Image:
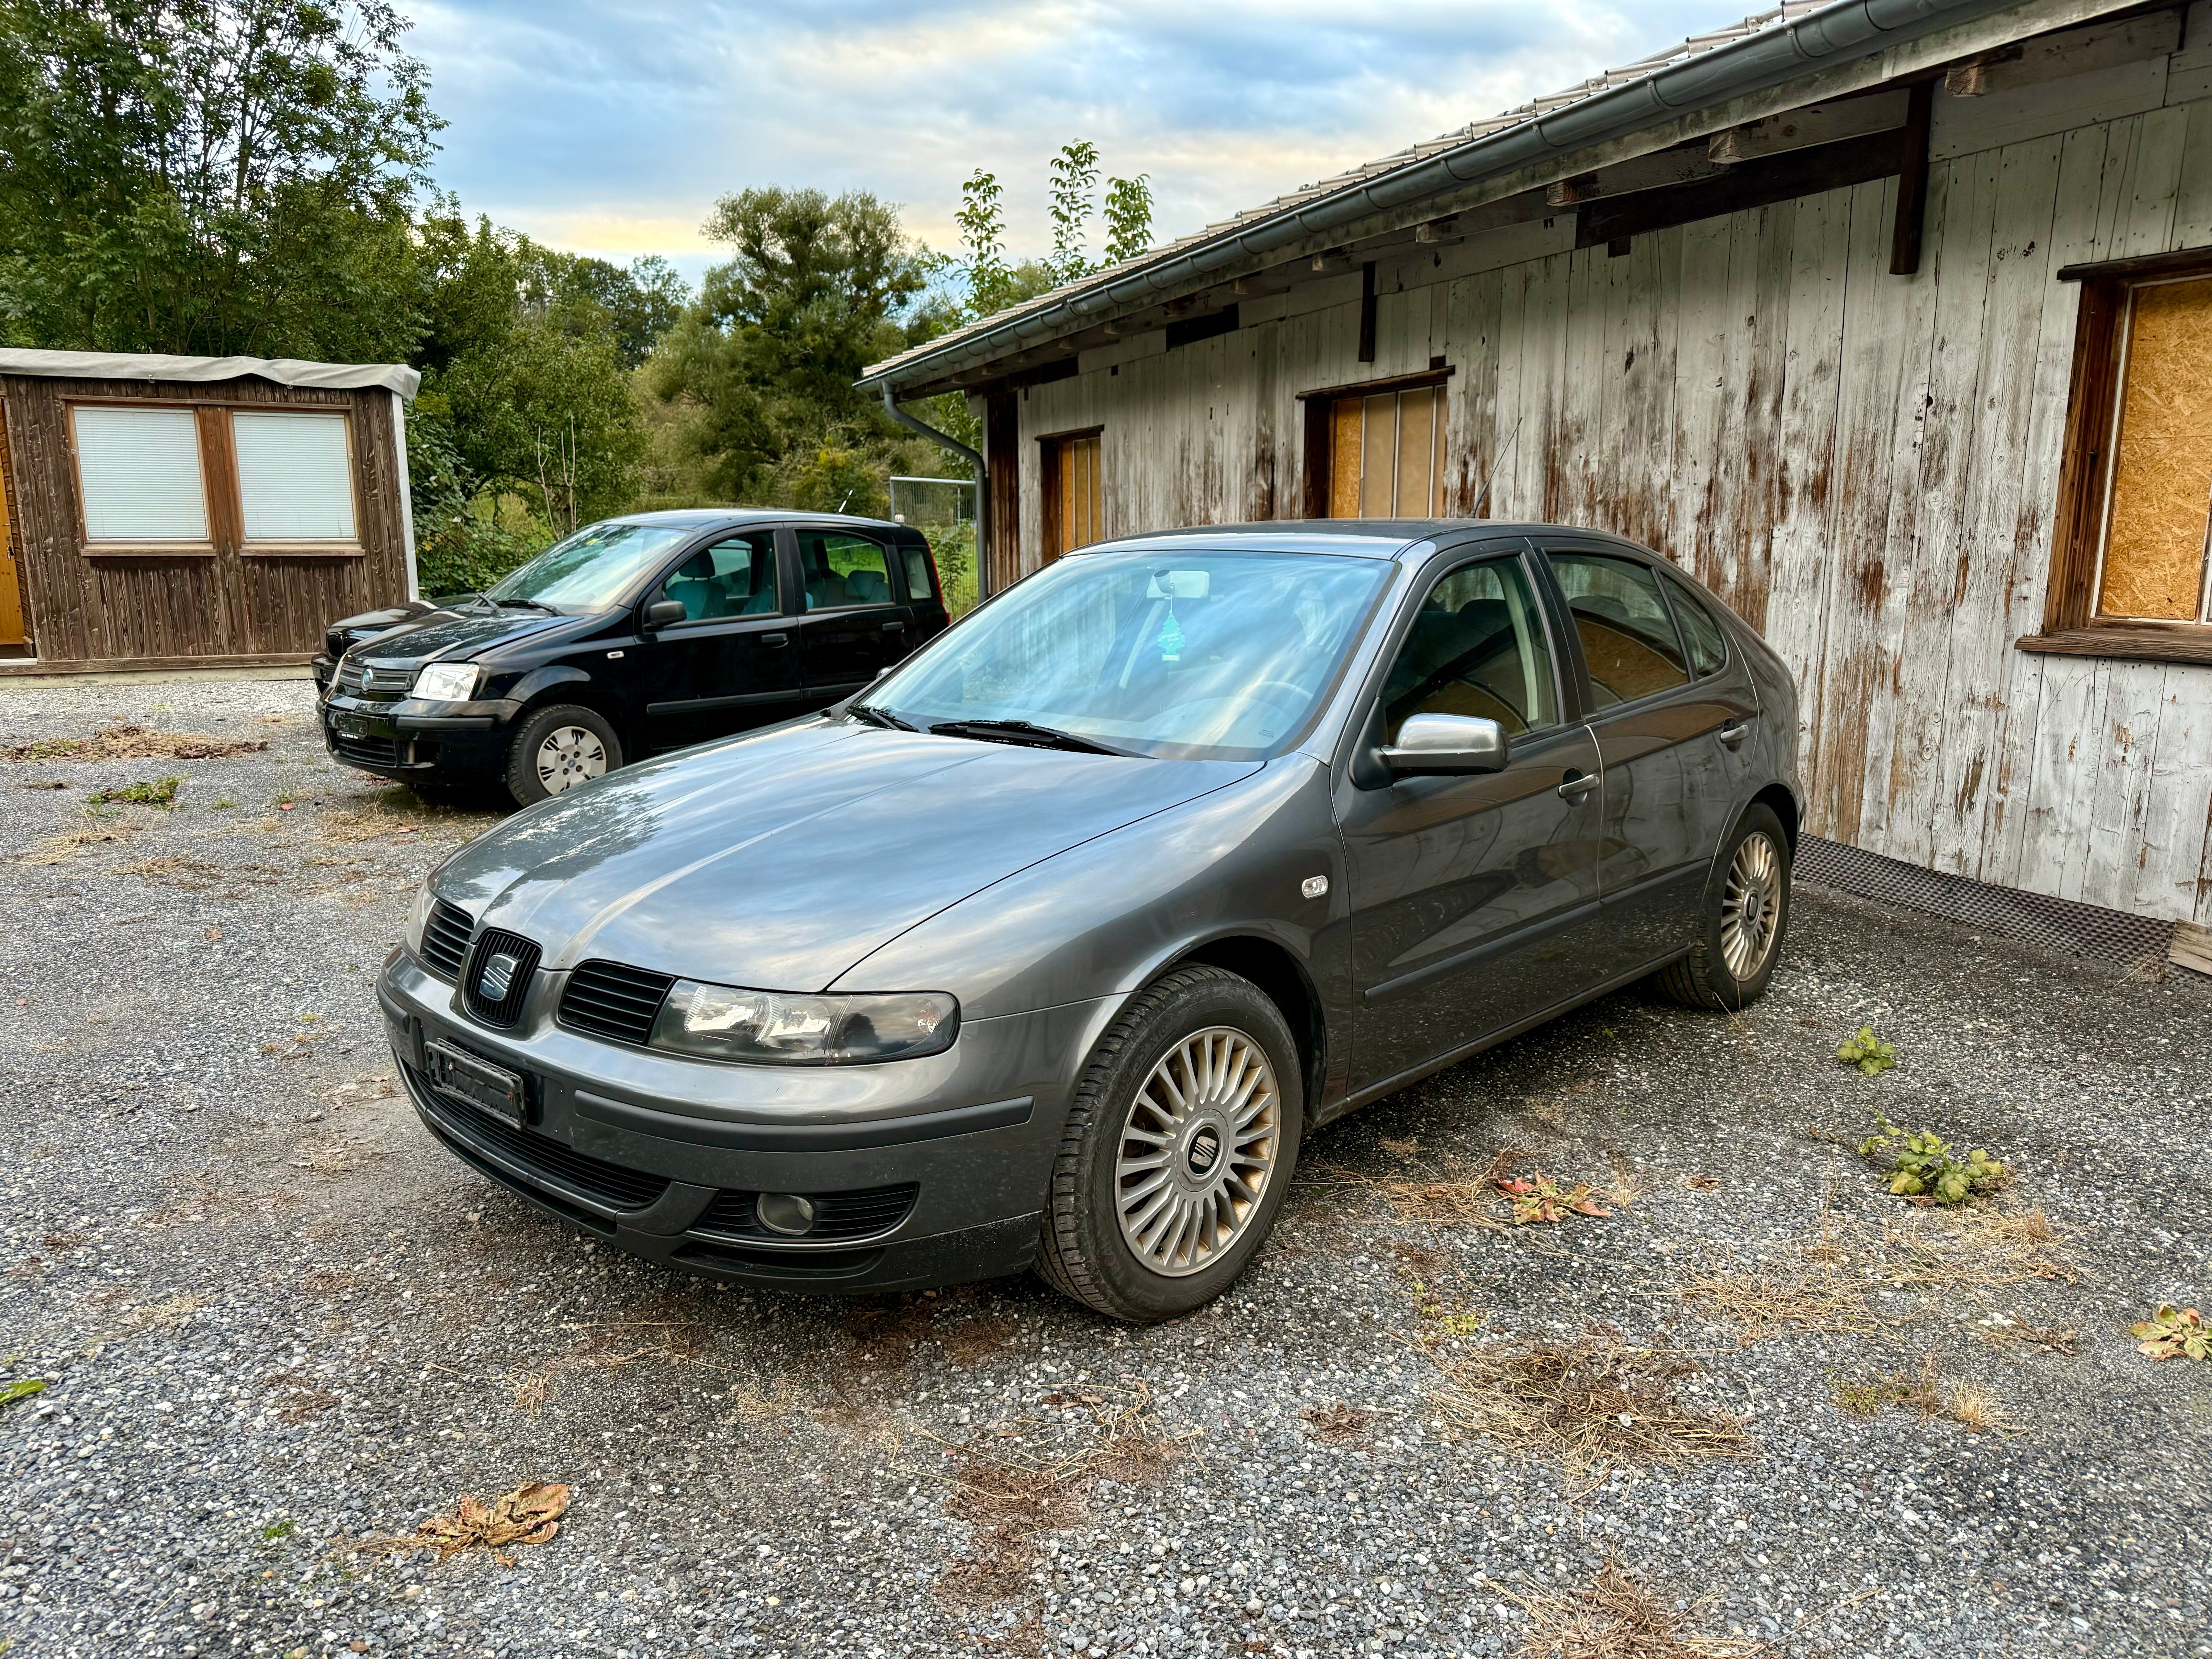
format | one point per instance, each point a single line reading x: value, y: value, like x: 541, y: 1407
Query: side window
x: 735, y: 577
x: 920, y: 574
x: 1708, y: 645
x: 841, y: 571
x: 1477, y: 646
x: 1628, y: 639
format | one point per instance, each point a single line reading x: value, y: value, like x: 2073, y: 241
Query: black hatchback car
x: 636, y: 635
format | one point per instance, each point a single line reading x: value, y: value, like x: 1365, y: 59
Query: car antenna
x: 1483, y: 499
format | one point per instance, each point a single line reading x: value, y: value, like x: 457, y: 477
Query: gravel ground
x: 275, y: 1321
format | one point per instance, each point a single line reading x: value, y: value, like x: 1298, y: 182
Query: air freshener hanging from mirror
x: 1171, y: 638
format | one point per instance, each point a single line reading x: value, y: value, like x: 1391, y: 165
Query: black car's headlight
x: 774, y: 1027
x: 447, y: 682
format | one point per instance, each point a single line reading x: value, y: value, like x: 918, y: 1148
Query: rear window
x: 920, y: 574
x: 1628, y: 639
x: 1708, y: 645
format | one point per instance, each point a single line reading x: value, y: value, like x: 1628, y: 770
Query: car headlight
x: 723, y: 1022
x: 418, y: 918
x: 447, y: 682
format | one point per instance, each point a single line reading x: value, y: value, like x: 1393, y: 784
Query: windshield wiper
x: 1028, y: 735
x: 875, y: 716
x: 533, y: 604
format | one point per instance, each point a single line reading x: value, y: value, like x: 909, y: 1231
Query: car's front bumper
x: 460, y: 743
x: 655, y: 1152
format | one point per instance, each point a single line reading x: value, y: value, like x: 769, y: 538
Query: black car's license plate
x: 459, y: 1075
x: 350, y: 726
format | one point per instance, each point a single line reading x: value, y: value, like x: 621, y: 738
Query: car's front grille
x: 357, y: 679
x: 367, y: 751
x: 607, y: 999
x: 540, y: 1156
x: 446, y: 940
x: 838, y: 1216
x: 349, y: 677
x: 499, y: 1004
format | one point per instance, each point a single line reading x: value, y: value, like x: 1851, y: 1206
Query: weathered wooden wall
x: 108, y: 611
x: 1864, y: 464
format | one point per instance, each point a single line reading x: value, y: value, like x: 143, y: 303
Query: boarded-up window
x: 1075, y: 494
x: 138, y: 475
x: 1386, y: 454
x: 294, y: 477
x: 2158, y: 506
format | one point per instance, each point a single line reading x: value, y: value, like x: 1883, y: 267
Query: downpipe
x: 976, y: 466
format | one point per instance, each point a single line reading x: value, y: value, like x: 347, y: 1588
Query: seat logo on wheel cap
x: 1205, y: 1147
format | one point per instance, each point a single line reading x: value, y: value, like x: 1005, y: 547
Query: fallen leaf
x: 529, y: 1514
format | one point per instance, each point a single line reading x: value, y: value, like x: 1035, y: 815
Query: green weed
x: 148, y: 792
x: 2175, y: 1334
x: 1867, y: 1052
x: 1923, y: 1164
x: 23, y: 1387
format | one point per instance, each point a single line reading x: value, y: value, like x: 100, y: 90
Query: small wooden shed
x: 166, y: 512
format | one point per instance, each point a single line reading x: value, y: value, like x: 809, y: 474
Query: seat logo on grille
x: 496, y: 977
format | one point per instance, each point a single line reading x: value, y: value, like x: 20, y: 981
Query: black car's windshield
x: 594, y: 568
x: 1213, y: 656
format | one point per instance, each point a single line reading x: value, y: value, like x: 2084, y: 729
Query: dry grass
x: 1596, y: 1404
x: 531, y: 1390
x: 133, y: 743
x: 1337, y: 1426
x: 881, y: 1334
x: 2018, y: 1332
x: 1969, y: 1404
x: 63, y: 849
x: 194, y: 875
x: 970, y: 1339
x: 528, y: 1514
x: 1616, y: 1617
x: 299, y: 1396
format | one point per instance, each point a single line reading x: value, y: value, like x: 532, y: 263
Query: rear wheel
x: 1741, y: 919
x: 557, y: 749
x: 1178, y: 1149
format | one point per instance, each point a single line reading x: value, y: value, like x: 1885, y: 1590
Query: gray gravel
x: 274, y: 1320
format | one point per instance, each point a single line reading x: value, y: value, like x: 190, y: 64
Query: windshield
x: 591, y: 569
x: 1211, y: 656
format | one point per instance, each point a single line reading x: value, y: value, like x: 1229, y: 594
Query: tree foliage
x: 1128, y: 217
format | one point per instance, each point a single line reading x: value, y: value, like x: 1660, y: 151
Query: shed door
x: 12, y: 631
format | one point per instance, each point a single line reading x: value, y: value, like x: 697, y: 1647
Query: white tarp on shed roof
x: 155, y: 366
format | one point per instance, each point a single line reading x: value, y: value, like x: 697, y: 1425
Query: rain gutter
x: 975, y: 464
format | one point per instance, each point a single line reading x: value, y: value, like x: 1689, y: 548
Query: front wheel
x: 557, y: 749
x: 1178, y: 1149
x: 1741, y: 919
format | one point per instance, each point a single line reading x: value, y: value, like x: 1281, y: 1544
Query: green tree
x: 1128, y: 217
x: 1074, y: 182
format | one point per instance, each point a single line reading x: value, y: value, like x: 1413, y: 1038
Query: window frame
x: 1320, y: 458
x: 219, y: 484
x: 1676, y: 588
x: 798, y: 571
x: 656, y: 588
x: 1591, y: 712
x: 2088, y: 466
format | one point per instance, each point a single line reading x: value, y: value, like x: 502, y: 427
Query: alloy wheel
x: 1751, y: 906
x: 1197, y: 1149
x: 570, y: 755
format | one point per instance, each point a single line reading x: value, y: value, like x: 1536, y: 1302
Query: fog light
x: 785, y: 1212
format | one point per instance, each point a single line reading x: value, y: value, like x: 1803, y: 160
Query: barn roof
x: 1768, y: 49
x: 155, y: 367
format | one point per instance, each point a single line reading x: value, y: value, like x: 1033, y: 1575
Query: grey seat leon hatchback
x: 1051, y: 947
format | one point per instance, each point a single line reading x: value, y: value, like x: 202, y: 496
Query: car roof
x: 1366, y: 538
x: 702, y: 517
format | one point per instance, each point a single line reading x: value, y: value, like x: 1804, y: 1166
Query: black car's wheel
x: 1178, y: 1148
x: 558, y: 748
x: 1741, y: 919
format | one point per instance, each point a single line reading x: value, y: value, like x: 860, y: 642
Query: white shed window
x: 294, y: 477
x: 138, y: 475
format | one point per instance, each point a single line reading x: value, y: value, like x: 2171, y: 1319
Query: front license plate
x: 459, y: 1075
x: 350, y: 726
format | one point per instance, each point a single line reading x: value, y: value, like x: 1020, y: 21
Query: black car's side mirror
x: 661, y: 612
x: 1447, y: 746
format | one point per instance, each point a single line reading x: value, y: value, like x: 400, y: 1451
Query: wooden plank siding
x: 1865, y: 465
x: 234, y: 605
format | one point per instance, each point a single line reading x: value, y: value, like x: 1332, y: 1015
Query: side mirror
x: 1447, y: 746
x: 661, y: 612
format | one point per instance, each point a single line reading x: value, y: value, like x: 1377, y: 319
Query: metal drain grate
x: 2055, y: 924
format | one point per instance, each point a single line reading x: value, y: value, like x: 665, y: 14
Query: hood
x: 778, y: 860
x: 458, y: 635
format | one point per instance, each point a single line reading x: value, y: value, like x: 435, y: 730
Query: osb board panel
x: 120, y: 608
x: 2162, y: 481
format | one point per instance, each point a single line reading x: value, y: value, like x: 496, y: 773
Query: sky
x: 611, y: 130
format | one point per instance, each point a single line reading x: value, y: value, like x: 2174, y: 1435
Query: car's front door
x: 854, y: 625
x: 732, y: 662
x: 1664, y: 732
x: 1471, y: 897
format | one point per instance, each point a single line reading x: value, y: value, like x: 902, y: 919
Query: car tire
x: 558, y: 748
x: 1742, y: 919
x: 1112, y: 1242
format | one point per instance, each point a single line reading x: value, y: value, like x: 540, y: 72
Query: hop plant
x: 1867, y: 1052
x: 1923, y: 1164
x: 2174, y: 1334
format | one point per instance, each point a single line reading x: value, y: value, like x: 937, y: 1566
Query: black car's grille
x: 607, y: 999
x: 368, y: 750
x: 349, y: 676
x: 357, y: 679
x: 838, y: 1216
x: 504, y: 1007
x: 548, y: 1159
x: 446, y: 940
x: 811, y: 1265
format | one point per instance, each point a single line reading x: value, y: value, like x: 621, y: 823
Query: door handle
x: 772, y: 641
x: 1576, y: 785
x: 894, y: 627
x: 1733, y: 736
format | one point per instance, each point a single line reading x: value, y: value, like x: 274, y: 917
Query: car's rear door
x: 853, y: 622
x: 1471, y: 897
x: 925, y: 596
x: 730, y: 663
x: 1664, y: 732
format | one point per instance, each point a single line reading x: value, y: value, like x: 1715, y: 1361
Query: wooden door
x: 1075, y: 494
x: 12, y: 630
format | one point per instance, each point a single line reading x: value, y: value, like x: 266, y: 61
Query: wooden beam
x: 2125, y: 644
x: 2183, y: 262
x: 1367, y: 313
x: 2069, y: 51
x: 1757, y: 183
x: 1905, y: 230
x: 1654, y: 172
x: 1815, y: 123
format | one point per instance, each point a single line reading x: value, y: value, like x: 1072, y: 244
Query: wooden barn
x: 169, y: 513
x: 1891, y: 319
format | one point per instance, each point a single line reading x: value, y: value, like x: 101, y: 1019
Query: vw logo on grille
x: 496, y: 977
